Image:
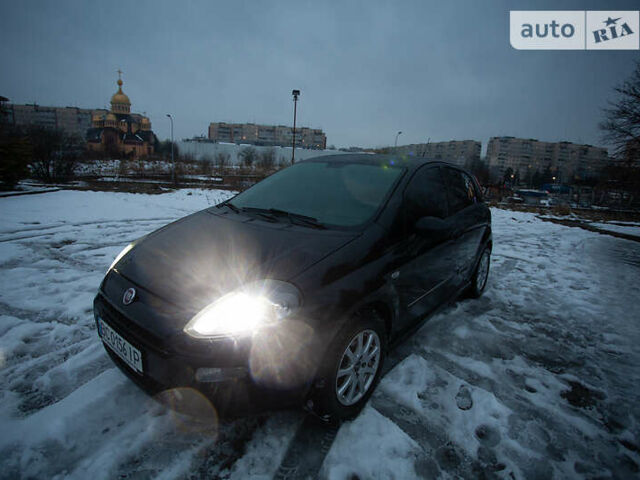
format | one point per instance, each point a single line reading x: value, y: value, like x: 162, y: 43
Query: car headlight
x: 246, y: 309
x: 124, y: 251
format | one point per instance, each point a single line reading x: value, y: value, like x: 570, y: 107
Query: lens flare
x: 234, y: 313
x: 255, y: 305
x: 282, y: 357
x: 191, y: 411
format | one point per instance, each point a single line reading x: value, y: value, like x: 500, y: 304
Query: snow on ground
x: 617, y: 226
x: 623, y: 227
x: 538, y: 378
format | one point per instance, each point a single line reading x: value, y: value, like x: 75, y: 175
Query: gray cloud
x: 439, y: 70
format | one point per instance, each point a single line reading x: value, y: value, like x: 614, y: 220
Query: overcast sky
x: 432, y: 69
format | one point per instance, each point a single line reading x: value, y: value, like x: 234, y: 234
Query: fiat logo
x: 129, y: 296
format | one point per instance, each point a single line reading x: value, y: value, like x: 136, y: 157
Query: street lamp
x: 173, y: 163
x: 296, y: 94
x: 396, y: 143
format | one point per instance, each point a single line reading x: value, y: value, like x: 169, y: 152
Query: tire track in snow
x: 307, y: 449
x: 438, y: 452
x: 53, y: 229
x: 313, y: 438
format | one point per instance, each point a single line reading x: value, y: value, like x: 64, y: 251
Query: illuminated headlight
x: 124, y: 251
x: 251, y: 307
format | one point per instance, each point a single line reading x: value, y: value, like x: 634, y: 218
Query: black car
x: 293, y: 290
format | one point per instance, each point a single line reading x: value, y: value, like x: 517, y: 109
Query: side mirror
x: 433, y: 227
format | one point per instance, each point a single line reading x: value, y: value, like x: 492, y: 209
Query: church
x: 120, y: 132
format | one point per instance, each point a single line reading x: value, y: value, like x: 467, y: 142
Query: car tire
x: 352, y: 367
x: 480, y: 275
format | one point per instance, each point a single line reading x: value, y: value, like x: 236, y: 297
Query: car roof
x: 409, y: 162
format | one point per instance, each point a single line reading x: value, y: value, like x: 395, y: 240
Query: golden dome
x: 145, y: 124
x: 119, y: 97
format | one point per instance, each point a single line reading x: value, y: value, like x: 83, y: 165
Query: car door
x: 469, y: 215
x: 426, y: 276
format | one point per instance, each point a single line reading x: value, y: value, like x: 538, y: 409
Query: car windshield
x: 333, y: 193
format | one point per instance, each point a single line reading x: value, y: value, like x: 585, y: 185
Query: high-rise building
x: 525, y: 156
x: 72, y: 120
x: 456, y: 152
x: 254, y: 134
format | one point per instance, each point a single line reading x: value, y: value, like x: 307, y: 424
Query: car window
x: 479, y: 196
x: 460, y: 188
x: 338, y: 194
x: 426, y: 195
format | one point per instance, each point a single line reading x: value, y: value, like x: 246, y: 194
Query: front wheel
x: 481, y: 274
x: 352, y: 367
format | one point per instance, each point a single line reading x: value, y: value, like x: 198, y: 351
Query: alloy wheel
x: 358, y: 367
x: 483, y: 271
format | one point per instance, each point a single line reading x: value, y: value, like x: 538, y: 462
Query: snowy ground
x: 630, y: 228
x: 537, y: 379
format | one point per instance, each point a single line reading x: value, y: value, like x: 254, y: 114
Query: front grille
x: 130, y: 330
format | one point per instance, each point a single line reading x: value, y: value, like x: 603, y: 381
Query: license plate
x: 127, y: 352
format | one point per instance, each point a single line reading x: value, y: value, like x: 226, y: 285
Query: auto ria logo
x: 574, y: 30
x: 601, y: 35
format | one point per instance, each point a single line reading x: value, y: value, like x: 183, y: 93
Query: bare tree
x: 205, y: 165
x: 267, y: 159
x: 55, y: 155
x: 621, y: 125
x: 222, y: 160
x: 15, y: 152
x: 46, y: 143
x: 164, y: 148
x: 248, y: 157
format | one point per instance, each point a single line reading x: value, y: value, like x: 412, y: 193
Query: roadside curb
x: 35, y: 192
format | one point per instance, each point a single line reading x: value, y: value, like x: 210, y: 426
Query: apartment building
x: 72, y: 120
x: 255, y: 134
x: 456, y: 152
x: 525, y: 156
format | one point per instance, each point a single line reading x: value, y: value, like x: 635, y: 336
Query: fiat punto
x: 293, y: 291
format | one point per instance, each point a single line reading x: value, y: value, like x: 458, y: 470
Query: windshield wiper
x: 275, y: 213
x: 230, y: 205
x: 263, y: 212
x: 299, y: 218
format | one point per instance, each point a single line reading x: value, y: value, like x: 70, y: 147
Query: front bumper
x: 220, y: 369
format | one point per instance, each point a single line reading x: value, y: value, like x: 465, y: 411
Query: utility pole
x: 424, y: 152
x: 173, y: 163
x: 296, y: 94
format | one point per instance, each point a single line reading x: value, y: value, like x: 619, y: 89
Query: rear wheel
x: 480, y: 276
x: 352, y: 367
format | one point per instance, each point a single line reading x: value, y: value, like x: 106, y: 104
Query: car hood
x: 199, y: 258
